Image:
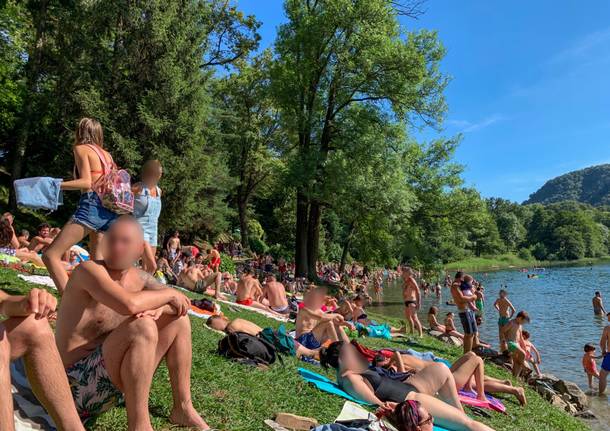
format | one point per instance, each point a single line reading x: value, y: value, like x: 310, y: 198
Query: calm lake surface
x: 559, y: 303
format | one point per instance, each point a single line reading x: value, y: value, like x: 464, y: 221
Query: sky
x: 529, y: 90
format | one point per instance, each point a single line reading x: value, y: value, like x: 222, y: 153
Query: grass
x: 234, y: 397
x: 506, y: 261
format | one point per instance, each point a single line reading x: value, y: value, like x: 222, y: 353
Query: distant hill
x: 590, y: 185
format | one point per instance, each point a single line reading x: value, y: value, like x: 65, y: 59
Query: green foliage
x: 227, y: 264
x: 258, y: 246
x: 590, y: 185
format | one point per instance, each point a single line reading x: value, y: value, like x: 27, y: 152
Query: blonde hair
x: 89, y: 131
x: 151, y: 167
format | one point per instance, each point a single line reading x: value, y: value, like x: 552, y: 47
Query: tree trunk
x: 32, y: 73
x: 242, y: 208
x: 346, y: 245
x: 313, y: 239
x: 300, y: 255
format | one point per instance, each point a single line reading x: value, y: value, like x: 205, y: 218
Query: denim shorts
x: 92, y: 214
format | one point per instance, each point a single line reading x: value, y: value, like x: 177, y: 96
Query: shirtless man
x: 411, y: 295
x: 214, y: 259
x: 43, y: 240
x: 598, y: 304
x: 467, y: 316
x: 115, y: 325
x: 221, y: 323
x: 513, y: 334
x: 250, y: 293
x: 604, y: 343
x: 24, y: 238
x: 314, y: 327
x: 275, y: 293
x: 192, y: 278
x: 26, y: 334
x: 506, y: 310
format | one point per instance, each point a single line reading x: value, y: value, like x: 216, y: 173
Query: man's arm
x: 457, y: 292
x: 496, y: 306
x: 512, y: 309
x: 603, y: 342
x: 105, y: 290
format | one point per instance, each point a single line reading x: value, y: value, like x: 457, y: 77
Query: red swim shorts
x: 247, y: 301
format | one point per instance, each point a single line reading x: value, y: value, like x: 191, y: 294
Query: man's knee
x: 143, y: 330
x: 29, y: 329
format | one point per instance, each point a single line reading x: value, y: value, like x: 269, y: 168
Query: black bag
x: 240, y: 346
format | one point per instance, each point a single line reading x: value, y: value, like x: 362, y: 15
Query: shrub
x: 525, y: 254
x: 227, y: 264
x: 258, y: 246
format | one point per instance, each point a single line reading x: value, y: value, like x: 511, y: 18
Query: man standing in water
x: 604, y: 343
x: 412, y: 297
x: 505, y: 310
x: 598, y: 304
x: 467, y: 316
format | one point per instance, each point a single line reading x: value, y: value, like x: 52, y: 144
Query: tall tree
x: 250, y: 130
x: 332, y: 55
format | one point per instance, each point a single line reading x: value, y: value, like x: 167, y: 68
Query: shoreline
x: 497, y: 264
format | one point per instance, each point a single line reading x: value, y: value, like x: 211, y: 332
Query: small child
x: 450, y: 326
x: 532, y: 355
x: 466, y: 288
x: 589, y: 365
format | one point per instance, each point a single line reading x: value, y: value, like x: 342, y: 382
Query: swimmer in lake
x: 598, y: 304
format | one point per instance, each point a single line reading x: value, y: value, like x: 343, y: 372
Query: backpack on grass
x: 282, y: 342
x: 246, y: 348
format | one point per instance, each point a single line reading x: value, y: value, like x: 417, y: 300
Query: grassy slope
x: 233, y: 397
x: 506, y: 261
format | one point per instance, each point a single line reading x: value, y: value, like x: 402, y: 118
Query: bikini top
x: 386, y: 388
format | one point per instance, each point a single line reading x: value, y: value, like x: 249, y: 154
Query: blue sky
x: 530, y: 87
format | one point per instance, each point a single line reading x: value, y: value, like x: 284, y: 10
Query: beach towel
x: 256, y: 310
x: 38, y: 193
x: 375, y: 331
x: 470, y: 398
x: 43, y: 280
x: 325, y: 384
x: 28, y: 413
x: 427, y: 356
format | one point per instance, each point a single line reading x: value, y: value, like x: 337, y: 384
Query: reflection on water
x: 559, y: 302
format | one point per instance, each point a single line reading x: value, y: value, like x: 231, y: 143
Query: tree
x: 332, y: 55
x: 250, y: 131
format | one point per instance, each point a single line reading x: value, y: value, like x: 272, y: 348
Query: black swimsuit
x: 407, y: 303
x: 387, y: 389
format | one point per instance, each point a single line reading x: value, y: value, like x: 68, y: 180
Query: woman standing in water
x: 91, y: 217
x: 147, y: 208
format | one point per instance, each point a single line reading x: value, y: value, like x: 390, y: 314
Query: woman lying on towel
x: 407, y: 416
x: 468, y: 373
x: 356, y: 378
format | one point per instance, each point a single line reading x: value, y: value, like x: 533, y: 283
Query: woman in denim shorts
x: 91, y: 217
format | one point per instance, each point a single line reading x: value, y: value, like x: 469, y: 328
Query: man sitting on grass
x: 314, y: 327
x: 221, y: 323
x: 115, y: 325
x: 26, y: 334
x: 192, y: 278
x: 250, y: 293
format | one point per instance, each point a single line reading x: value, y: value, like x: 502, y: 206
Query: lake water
x: 559, y: 303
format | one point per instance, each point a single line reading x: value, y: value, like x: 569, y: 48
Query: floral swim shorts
x: 91, y: 387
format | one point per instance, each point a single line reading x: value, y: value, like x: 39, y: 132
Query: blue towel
x: 39, y: 193
x: 327, y: 385
x: 427, y: 356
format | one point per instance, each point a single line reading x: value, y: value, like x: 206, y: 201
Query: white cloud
x: 583, y: 47
x: 466, y: 126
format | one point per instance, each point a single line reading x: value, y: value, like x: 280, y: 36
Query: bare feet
x: 188, y: 417
x: 520, y: 394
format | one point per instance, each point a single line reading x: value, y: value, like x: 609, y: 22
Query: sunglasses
x: 429, y: 420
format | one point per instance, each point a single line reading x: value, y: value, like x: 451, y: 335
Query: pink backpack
x: 114, y: 186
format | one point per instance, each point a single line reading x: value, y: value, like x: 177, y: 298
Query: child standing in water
x: 589, y: 365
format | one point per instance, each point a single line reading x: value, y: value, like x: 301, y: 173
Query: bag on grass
x: 282, y: 342
x: 240, y: 346
x: 114, y: 186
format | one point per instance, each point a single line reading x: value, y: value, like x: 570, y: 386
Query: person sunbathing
x: 221, y: 323
x: 274, y: 293
x: 433, y: 322
x: 450, y: 327
x: 192, y: 278
x: 26, y: 334
x: 116, y: 324
x: 250, y: 293
x: 9, y: 244
x: 314, y: 327
x: 228, y: 283
x: 24, y: 238
x: 42, y: 240
x: 355, y: 377
x: 468, y: 373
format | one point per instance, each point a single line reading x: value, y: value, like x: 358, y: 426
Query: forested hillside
x: 590, y: 185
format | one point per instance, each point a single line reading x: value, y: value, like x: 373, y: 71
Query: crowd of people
x: 119, y: 317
